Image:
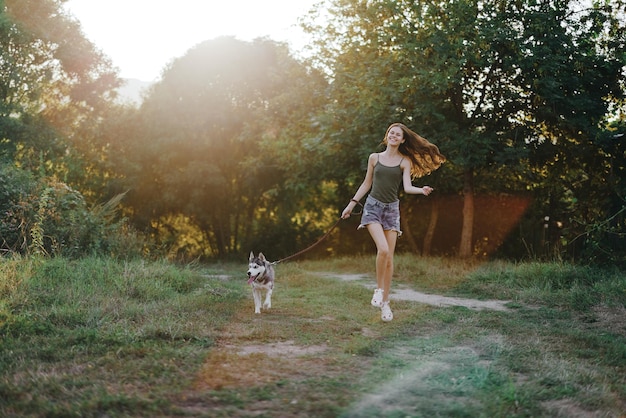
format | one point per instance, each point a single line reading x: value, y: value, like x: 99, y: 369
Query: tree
x: 212, y: 150
x: 53, y: 79
x: 54, y: 88
x: 494, y: 83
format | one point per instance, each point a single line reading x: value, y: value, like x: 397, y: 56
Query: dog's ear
x: 251, y: 256
x: 261, y: 256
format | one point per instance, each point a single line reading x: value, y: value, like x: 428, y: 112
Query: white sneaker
x: 386, y: 314
x: 377, y: 299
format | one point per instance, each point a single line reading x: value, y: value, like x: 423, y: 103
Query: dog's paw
x: 267, y: 305
x: 257, y: 311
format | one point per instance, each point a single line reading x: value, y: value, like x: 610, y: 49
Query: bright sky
x: 142, y: 36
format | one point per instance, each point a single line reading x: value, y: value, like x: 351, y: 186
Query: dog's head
x: 256, y: 267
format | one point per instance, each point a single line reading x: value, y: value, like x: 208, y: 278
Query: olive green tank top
x: 386, y: 182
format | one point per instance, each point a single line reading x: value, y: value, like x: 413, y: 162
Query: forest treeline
x: 244, y: 146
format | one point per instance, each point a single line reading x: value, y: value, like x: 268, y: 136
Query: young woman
x: 407, y: 156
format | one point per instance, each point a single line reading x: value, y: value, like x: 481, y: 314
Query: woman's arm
x: 363, y: 188
x: 408, y: 185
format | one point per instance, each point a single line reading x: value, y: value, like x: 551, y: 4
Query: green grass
x: 98, y: 337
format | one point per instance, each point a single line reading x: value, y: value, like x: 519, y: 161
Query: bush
x: 17, y: 187
x: 48, y: 217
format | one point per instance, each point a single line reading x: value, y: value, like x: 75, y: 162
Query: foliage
x: 516, y: 94
x: 52, y: 78
x: 47, y: 217
x: 223, y: 142
x: 15, y: 187
x: 240, y: 146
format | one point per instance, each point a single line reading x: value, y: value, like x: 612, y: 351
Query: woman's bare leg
x: 391, y: 238
x: 385, y: 246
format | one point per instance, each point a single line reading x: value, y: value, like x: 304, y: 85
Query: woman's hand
x: 426, y: 190
x: 347, y: 211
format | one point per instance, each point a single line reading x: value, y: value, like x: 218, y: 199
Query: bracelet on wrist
x: 355, y: 201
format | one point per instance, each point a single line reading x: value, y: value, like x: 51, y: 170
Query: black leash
x: 319, y: 240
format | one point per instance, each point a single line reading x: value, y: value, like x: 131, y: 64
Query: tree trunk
x: 432, y: 224
x: 465, y: 247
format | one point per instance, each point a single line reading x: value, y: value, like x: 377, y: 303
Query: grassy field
x: 104, y: 338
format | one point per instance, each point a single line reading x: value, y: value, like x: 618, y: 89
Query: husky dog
x: 260, y: 276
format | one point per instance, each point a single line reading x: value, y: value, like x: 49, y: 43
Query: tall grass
x: 81, y: 336
x: 556, y: 284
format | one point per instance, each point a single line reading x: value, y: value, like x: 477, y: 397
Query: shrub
x: 17, y: 190
x: 47, y: 217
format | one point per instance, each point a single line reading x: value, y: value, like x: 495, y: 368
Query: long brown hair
x: 425, y: 156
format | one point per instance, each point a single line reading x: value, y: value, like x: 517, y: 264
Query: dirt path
x: 251, y: 351
x: 401, y: 292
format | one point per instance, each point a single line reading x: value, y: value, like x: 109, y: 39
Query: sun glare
x: 142, y: 36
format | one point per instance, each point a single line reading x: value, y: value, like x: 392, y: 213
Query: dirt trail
x: 246, y: 355
x: 234, y: 353
x: 401, y: 292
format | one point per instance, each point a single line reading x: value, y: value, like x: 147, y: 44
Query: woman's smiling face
x: 395, y: 136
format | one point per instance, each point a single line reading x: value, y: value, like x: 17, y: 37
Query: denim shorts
x: 385, y: 214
